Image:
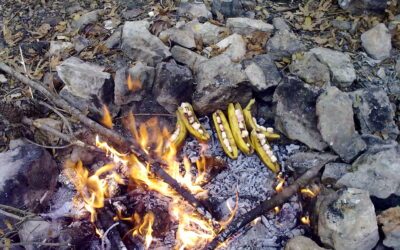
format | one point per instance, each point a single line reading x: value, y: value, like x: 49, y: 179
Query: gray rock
x: 397, y: 67
x: 58, y: 47
x: 374, y: 112
x: 82, y: 79
x: 262, y: 72
x: 115, y: 39
x: 173, y: 85
x: 38, y: 231
x: 302, y: 161
x: 28, y: 177
x: 333, y: 172
x: 140, y: 45
x: 219, y: 82
x: 377, y: 42
x: 85, y: 19
x: 295, y: 112
x: 376, y: 171
x: 390, y: 221
x: 346, y: 220
x: 283, y: 44
x: 360, y: 6
x: 341, y: 24
x: 339, y: 64
x: 302, y: 243
x: 182, y: 37
x: 280, y: 24
x: 336, y: 124
x: 228, y: 8
x: 233, y: 46
x: 246, y: 26
x: 194, y: 10
x: 141, y: 77
x: 208, y: 33
x: 80, y: 43
x: 3, y: 79
x: 187, y: 57
x: 310, y: 70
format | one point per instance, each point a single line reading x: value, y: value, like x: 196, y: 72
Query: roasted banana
x: 224, y: 134
x: 180, y: 133
x: 264, y: 151
x: 238, y: 127
x: 251, y: 123
x: 192, y: 124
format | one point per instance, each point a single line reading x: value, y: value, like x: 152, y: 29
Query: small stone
x: 233, y: 46
x: 187, y: 57
x: 115, y: 39
x: 346, y: 220
x: 132, y: 13
x: 173, y: 85
x: 377, y: 42
x: 302, y: 243
x: 341, y: 24
x: 85, y: 19
x: 333, y: 172
x: 280, y: 24
x: 339, y: 64
x: 140, y: 45
x: 336, y: 124
x: 390, y: 221
x: 182, y: 37
x: 302, y: 161
x: 283, y: 44
x: 194, y: 10
x: 397, y: 67
x: 360, y: 7
x: 310, y: 70
x: 262, y: 72
x: 228, y: 8
x: 246, y: 26
x: 58, y: 47
x: 3, y: 79
x: 209, y: 33
x: 80, y: 43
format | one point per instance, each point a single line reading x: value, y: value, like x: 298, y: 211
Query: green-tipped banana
x: 180, y: 133
x: 264, y: 151
x: 251, y: 123
x: 192, y: 124
x: 238, y: 128
x: 224, y: 134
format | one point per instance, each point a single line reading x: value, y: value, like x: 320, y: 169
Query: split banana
x: 264, y: 151
x: 192, y: 124
x: 251, y: 123
x: 224, y: 134
x: 180, y: 133
x: 238, y: 127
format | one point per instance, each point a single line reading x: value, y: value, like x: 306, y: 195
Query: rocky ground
x: 325, y: 74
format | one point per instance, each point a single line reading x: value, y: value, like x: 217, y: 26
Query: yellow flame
x: 133, y: 84
x: 281, y: 181
x: 307, y: 193
x: 305, y: 220
x: 106, y: 119
x: 277, y: 209
x: 144, y: 227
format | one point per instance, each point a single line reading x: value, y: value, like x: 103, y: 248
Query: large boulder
x: 284, y: 43
x: 346, y: 220
x: 233, y: 46
x: 219, y: 82
x: 377, y: 171
x: 390, y: 221
x: 295, y: 112
x: 374, y: 112
x: 336, y: 124
x: 173, y: 84
x: 140, y: 45
x: 377, y: 42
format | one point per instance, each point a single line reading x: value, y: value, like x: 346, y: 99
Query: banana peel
x: 264, y: 151
x: 224, y: 134
x: 186, y: 114
x: 180, y: 133
x: 238, y: 128
x: 251, y: 123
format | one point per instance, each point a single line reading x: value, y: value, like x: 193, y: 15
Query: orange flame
x: 106, y: 119
x: 307, y: 192
x: 133, y: 84
x: 144, y: 227
x: 281, y: 181
x: 305, y: 220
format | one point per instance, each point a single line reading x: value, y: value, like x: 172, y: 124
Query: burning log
x: 156, y: 164
x: 264, y: 207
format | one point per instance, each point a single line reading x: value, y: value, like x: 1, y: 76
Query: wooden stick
x: 114, y: 137
x: 264, y: 207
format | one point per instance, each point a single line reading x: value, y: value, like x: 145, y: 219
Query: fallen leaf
x: 308, y: 25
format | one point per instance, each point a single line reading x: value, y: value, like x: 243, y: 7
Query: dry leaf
x: 307, y: 25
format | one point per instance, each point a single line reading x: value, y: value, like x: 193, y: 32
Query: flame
x: 281, y: 181
x: 255, y: 221
x: 106, y: 119
x: 277, y: 209
x: 133, y: 84
x: 144, y: 227
x: 307, y: 192
x: 305, y: 220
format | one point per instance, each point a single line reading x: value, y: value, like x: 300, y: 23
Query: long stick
x: 113, y: 136
x: 264, y: 207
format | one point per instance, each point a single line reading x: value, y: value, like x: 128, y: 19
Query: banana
x: 264, y: 151
x: 192, y: 124
x: 180, y: 133
x: 238, y: 127
x: 225, y: 134
x: 251, y: 123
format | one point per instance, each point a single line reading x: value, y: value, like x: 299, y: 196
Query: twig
x: 105, y: 235
x: 15, y: 209
x: 28, y: 243
x: 14, y: 216
x: 65, y: 120
x: 48, y: 146
x: 264, y: 207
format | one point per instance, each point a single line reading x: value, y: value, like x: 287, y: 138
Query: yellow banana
x: 251, y: 123
x: 224, y: 134
x: 264, y: 151
x: 238, y: 128
x: 180, y: 133
x: 192, y: 124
